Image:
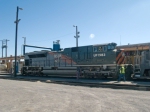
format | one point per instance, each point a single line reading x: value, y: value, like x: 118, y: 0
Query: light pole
x: 22, y: 47
x: 17, y: 21
x: 24, y: 40
x: 77, y: 35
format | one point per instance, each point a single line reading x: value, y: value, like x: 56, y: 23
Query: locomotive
x: 92, y: 61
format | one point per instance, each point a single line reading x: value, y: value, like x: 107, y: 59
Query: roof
x: 104, y: 44
x: 133, y: 47
x: 37, y: 52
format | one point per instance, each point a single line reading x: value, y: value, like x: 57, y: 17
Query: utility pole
x: 6, y: 47
x: 17, y: 21
x: 77, y: 35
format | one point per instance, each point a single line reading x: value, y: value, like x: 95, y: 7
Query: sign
x: 99, y: 55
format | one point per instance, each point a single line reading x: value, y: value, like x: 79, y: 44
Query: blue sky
x: 44, y: 21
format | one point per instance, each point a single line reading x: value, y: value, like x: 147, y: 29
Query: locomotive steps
x: 131, y: 85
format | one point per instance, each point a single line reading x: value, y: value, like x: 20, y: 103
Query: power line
x: 120, y: 39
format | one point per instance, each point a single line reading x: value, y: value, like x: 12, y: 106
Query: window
x: 100, y: 48
x: 95, y: 49
x: 109, y: 47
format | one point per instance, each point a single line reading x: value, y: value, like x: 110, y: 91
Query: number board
x: 99, y: 55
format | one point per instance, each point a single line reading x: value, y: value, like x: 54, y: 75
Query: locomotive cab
x: 104, y: 47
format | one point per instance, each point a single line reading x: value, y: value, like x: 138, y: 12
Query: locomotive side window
x: 100, y: 48
x: 95, y: 49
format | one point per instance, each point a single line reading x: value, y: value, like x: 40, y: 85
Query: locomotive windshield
x: 111, y: 47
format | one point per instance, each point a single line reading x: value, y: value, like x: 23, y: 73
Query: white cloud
x: 92, y: 36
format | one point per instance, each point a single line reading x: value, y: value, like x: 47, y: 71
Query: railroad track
x: 107, y: 79
x: 66, y: 77
x: 81, y: 82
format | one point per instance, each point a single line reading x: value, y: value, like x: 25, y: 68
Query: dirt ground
x: 26, y: 96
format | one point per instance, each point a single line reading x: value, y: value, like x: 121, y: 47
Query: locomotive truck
x: 92, y: 61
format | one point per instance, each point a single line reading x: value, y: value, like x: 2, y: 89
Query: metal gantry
x: 4, y: 46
